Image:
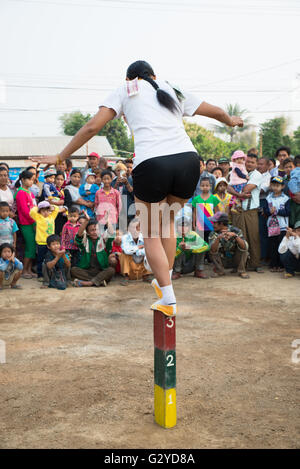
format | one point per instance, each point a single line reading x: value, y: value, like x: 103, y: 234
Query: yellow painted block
x: 165, y: 406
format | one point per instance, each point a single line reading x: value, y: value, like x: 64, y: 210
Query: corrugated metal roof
x: 43, y: 146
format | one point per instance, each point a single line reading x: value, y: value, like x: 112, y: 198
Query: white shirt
x: 156, y: 130
x: 7, y: 196
x: 265, y: 184
x: 292, y: 243
x: 254, y: 178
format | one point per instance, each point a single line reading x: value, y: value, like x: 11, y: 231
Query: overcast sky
x: 61, y: 56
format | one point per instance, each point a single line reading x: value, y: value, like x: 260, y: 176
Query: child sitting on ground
x: 44, y: 215
x: 238, y: 176
x: 117, y: 249
x: 132, y: 257
x: 69, y: 232
x: 289, y: 251
x: 56, y: 265
x: 8, y: 227
x: 88, y: 192
x: 190, y: 250
x: 10, y: 267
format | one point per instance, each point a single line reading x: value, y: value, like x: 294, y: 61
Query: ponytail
x: 23, y: 175
x: 142, y: 69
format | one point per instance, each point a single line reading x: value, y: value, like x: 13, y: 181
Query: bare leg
x: 160, y: 249
x: 169, y: 243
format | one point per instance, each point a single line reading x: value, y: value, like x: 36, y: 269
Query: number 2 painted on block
x: 170, y: 359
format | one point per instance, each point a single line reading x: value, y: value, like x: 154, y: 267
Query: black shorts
x: 158, y: 177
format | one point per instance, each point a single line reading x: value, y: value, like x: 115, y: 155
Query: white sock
x: 168, y: 295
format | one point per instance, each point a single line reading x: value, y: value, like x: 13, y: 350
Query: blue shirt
x: 8, y: 267
x: 7, y: 229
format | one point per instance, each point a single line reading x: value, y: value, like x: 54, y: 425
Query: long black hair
x: 141, y: 69
x: 24, y: 175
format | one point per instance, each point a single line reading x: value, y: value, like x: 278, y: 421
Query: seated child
x: 239, y: 174
x: 44, y: 215
x: 10, y: 267
x: 190, y: 250
x: 56, y: 265
x: 69, y: 232
x: 222, y: 195
x: 8, y: 227
x: 117, y: 250
x: 132, y: 257
x: 88, y: 192
x: 49, y: 190
x: 289, y: 250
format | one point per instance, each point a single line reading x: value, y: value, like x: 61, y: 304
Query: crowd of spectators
x: 81, y: 227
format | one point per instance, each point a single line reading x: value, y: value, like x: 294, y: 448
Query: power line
x: 182, y: 6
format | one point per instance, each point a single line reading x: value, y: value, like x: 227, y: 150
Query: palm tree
x: 233, y: 110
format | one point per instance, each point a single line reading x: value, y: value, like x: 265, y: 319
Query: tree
x: 296, y: 141
x: 233, y: 132
x: 210, y: 146
x: 115, y: 130
x: 272, y: 132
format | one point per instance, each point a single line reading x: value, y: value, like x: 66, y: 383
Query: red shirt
x: 110, y: 203
x: 68, y: 235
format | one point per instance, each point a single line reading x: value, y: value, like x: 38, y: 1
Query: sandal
x: 27, y: 276
x: 244, y: 275
x: 77, y: 283
x: 16, y: 287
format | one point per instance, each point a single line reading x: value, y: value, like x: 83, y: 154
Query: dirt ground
x: 79, y: 366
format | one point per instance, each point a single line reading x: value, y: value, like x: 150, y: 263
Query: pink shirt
x: 25, y: 202
x: 110, y: 203
x: 68, y: 235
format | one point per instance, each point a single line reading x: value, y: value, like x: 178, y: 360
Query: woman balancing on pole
x: 166, y: 168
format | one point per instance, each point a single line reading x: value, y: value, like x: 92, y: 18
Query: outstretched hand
x: 49, y: 160
x: 237, y: 121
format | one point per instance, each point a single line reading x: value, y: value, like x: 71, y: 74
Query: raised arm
x: 215, y: 112
x: 89, y: 130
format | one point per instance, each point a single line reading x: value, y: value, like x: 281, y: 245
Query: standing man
x: 246, y: 217
x: 282, y: 153
x: 227, y: 243
x: 124, y: 184
x: 263, y: 168
x: 210, y: 165
x: 225, y: 166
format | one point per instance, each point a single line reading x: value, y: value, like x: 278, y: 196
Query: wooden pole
x: 164, y: 369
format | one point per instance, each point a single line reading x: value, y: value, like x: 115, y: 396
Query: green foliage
x: 296, y: 142
x: 115, y: 130
x: 274, y: 135
x: 210, y: 146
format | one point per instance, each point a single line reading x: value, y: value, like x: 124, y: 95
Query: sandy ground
x: 79, y: 366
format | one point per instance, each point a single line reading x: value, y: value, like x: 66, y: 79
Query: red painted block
x: 164, y: 331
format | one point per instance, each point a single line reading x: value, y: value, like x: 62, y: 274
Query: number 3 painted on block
x: 171, y: 324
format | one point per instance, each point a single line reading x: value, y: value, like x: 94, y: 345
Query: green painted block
x: 165, y: 368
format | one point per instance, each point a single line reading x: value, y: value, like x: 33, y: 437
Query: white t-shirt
x: 255, y: 178
x: 156, y: 130
x: 7, y: 196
